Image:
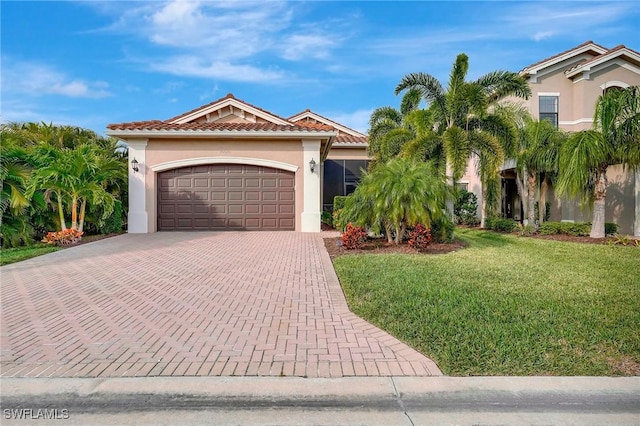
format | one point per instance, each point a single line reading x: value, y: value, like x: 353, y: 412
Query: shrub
x: 338, y: 221
x: 442, y: 230
x: 549, y: 228
x: 326, y: 218
x: 66, y: 237
x: 500, y: 224
x: 338, y: 202
x: 610, y: 228
x: 113, y: 224
x: 576, y: 229
x: 419, y: 237
x: 465, y: 208
x: 353, y: 237
x: 526, y: 230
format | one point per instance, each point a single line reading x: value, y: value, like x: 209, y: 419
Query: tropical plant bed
x: 381, y: 246
x: 505, y: 305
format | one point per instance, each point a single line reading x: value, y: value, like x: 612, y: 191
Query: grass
x: 11, y: 255
x: 506, y: 305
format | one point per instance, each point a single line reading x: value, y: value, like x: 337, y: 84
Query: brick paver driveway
x: 190, y: 304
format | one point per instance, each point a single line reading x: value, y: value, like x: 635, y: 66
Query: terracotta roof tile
x: 595, y: 58
x: 323, y: 117
x: 156, y: 125
x: 228, y: 96
x: 586, y: 43
x: 344, y: 138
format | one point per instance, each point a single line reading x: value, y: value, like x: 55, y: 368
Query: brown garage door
x: 226, y: 197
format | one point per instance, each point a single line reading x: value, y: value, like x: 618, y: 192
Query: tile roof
x: 596, y: 58
x: 156, y: 125
x: 322, y: 117
x: 586, y: 43
x: 228, y: 96
x: 344, y: 138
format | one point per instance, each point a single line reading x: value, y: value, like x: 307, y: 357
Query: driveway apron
x: 190, y: 304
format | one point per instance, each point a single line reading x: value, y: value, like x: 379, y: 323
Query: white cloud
x: 299, y: 46
x: 37, y: 79
x: 356, y: 120
x: 224, y: 40
x: 198, y: 67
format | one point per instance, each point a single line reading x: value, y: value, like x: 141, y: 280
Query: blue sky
x: 94, y: 63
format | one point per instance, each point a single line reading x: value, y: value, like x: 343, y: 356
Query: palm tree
x: 389, y: 129
x: 14, y: 173
x: 536, y: 158
x: 586, y: 156
x: 397, y: 195
x: 462, y: 117
x: 80, y: 176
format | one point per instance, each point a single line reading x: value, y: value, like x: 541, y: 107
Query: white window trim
x: 614, y: 83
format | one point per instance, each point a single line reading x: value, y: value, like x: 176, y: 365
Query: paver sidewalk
x: 190, y: 304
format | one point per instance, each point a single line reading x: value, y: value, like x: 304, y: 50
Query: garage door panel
x: 269, y: 183
x: 201, y: 182
x: 285, y: 209
x: 184, y: 209
x: 201, y: 209
x: 252, y: 183
x: 252, y: 209
x: 252, y: 196
x: 286, y: 196
x: 235, y: 196
x: 218, y: 196
x: 224, y: 196
x: 236, y: 209
x: 269, y: 196
x: 285, y: 183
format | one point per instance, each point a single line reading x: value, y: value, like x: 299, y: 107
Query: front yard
x: 506, y: 305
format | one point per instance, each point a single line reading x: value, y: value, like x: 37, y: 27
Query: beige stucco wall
x: 343, y: 153
x: 160, y: 151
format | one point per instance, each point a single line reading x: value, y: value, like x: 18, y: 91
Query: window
x: 549, y: 109
x: 341, y: 178
x: 462, y: 186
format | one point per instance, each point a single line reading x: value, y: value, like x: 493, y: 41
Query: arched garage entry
x: 226, y: 196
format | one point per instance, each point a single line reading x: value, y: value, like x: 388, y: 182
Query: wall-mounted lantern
x: 134, y: 165
x: 312, y: 165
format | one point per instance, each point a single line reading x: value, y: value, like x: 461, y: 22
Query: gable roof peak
x: 308, y: 114
x: 228, y: 99
x: 587, y: 46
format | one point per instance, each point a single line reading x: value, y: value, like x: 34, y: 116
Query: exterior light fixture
x: 312, y: 165
x: 134, y: 165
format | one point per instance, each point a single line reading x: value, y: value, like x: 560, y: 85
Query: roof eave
x: 123, y: 134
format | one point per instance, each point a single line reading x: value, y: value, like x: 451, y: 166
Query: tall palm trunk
x: 74, y: 212
x: 531, y: 197
x: 63, y: 225
x: 83, y: 206
x: 542, y: 201
x: 522, y: 191
x: 599, y: 198
x: 483, y: 206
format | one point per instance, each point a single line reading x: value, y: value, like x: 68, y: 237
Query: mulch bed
x: 91, y: 238
x: 380, y: 246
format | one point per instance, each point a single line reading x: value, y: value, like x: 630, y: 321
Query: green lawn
x: 506, y: 305
x: 17, y: 254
